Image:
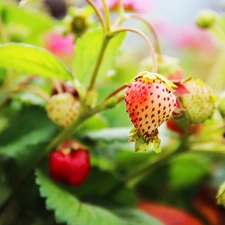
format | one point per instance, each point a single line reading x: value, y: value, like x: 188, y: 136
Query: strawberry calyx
x: 143, y: 142
x: 154, y: 77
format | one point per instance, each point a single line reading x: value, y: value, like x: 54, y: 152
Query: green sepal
x: 144, y: 142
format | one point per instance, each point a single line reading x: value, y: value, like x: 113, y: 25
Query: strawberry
x: 63, y: 109
x: 150, y: 101
x: 70, y: 163
x: 66, y: 88
x: 183, y: 127
x: 199, y: 103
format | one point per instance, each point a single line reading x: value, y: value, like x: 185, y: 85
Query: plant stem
x: 98, y: 13
x: 150, y: 47
x: 98, y: 63
x: 121, y: 9
x: 116, y: 91
x: 37, y: 91
x: 107, y: 16
x: 146, y: 22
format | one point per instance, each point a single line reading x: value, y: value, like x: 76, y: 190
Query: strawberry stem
x: 107, y: 16
x: 116, y: 91
x: 98, y: 13
x: 150, y: 46
x: 121, y: 9
x: 150, y: 27
x: 105, y: 42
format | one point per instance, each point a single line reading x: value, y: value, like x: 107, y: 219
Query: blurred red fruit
x: 167, y: 214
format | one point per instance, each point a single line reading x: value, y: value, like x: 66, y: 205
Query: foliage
x: 103, y: 63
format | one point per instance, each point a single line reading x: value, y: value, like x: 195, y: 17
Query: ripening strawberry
x: 150, y: 101
x: 63, y: 109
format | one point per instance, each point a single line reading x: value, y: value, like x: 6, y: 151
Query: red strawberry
x: 66, y: 88
x: 183, y: 127
x: 69, y: 165
x: 63, y: 109
x: 150, y: 101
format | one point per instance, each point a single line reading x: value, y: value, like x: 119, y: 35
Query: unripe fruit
x: 69, y: 165
x: 63, y: 109
x: 199, y: 103
x: 206, y: 18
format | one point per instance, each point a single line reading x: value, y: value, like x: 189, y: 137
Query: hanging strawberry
x: 150, y: 101
x: 70, y: 163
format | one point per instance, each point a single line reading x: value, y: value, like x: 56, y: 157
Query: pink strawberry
x: 70, y: 163
x: 150, y: 101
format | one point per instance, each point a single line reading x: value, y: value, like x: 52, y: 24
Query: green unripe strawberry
x: 199, y: 103
x: 63, y: 109
x: 206, y: 18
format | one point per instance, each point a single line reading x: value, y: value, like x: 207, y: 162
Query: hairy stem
x: 150, y: 46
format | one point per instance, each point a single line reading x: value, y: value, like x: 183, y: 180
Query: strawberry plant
x: 87, y: 99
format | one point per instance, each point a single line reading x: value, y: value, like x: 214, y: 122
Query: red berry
x: 175, y: 127
x: 69, y: 167
x: 66, y: 88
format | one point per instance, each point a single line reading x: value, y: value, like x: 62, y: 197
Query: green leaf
x: 86, y: 54
x: 26, y: 133
x: 221, y: 195
x: 188, y: 169
x: 68, y: 209
x: 33, y: 60
x: 24, y: 22
x: 137, y: 217
x: 109, y: 135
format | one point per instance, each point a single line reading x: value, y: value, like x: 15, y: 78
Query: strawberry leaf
x: 221, y: 195
x: 68, y: 209
x: 25, y: 137
x: 86, y: 54
x: 31, y: 59
x: 109, y: 135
